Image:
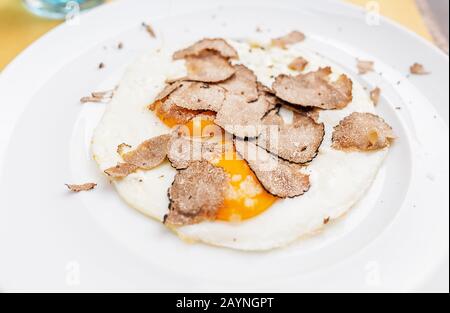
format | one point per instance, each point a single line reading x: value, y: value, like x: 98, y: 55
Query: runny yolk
x: 175, y: 115
x: 245, y: 197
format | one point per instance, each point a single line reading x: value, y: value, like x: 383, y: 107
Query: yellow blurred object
x: 404, y: 12
x: 19, y: 28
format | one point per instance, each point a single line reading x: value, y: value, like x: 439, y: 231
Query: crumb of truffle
x: 83, y: 187
x: 149, y: 29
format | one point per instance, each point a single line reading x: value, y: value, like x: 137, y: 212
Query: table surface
x: 19, y: 28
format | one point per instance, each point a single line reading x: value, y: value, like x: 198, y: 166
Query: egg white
x: 338, y: 179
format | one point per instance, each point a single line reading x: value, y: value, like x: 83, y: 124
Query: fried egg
x: 251, y: 219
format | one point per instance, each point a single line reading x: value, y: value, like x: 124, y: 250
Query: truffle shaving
x: 242, y: 83
x: 362, y: 132
x: 196, y: 194
x: 298, y: 64
x: 184, y: 150
x: 263, y: 89
x: 83, y: 187
x: 149, y: 154
x: 99, y: 96
x: 298, y: 142
x: 121, y: 170
x: 364, y: 67
x: 208, y: 67
x: 273, y: 119
x: 168, y: 89
x: 172, y: 113
x: 289, y: 39
x: 217, y: 45
x: 241, y: 118
x: 146, y: 156
x: 375, y: 95
x: 418, y: 69
x: 280, y: 178
x: 198, y: 96
x: 149, y: 29
x: 313, y: 113
x: 314, y: 89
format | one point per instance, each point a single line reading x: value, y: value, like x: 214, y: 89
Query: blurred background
x: 19, y: 27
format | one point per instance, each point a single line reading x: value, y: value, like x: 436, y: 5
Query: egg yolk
x: 245, y: 197
x: 175, y: 115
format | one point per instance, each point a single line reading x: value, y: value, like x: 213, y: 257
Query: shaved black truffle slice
x: 298, y: 64
x: 241, y: 118
x: 418, y: 69
x: 83, y: 187
x: 263, y: 89
x: 197, y: 96
x: 121, y: 170
x: 298, y: 142
x: 184, y: 150
x: 289, y: 39
x: 314, y: 89
x: 242, y: 83
x: 196, y: 194
x: 375, y: 95
x: 269, y: 95
x: 365, y: 67
x: 362, y: 132
x: 280, y: 178
x: 148, y: 154
x: 311, y: 112
x: 168, y: 89
x: 169, y: 111
x: 208, y: 67
x: 217, y: 45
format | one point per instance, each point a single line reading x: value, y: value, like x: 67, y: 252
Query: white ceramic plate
x: 396, y: 238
